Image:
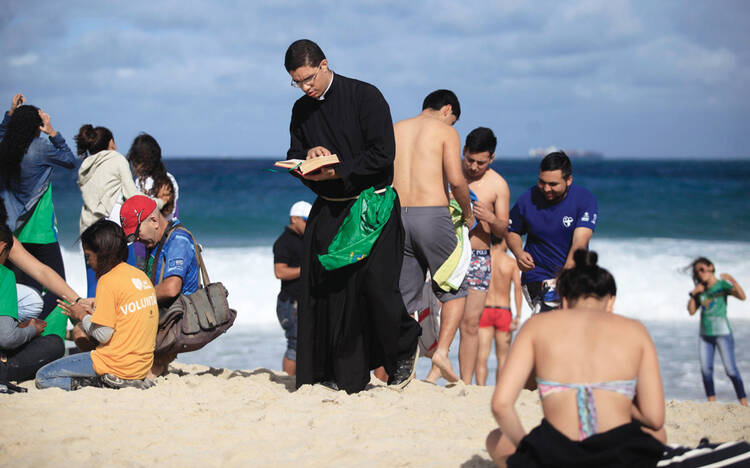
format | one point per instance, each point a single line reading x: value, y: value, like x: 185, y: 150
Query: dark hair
x: 92, y: 139
x: 557, y: 160
x: 145, y: 152
x: 586, y: 278
x: 303, y: 52
x: 437, y: 99
x: 696, y: 262
x: 107, y: 240
x: 3, y: 212
x: 479, y: 140
x: 22, y: 129
x: 5, y: 234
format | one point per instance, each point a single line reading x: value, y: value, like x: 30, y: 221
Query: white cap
x: 301, y: 209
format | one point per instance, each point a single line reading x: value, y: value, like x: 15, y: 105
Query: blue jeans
x: 707, y: 345
x: 286, y: 311
x: 60, y: 373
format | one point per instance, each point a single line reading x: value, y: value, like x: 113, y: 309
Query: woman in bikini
x: 598, y: 378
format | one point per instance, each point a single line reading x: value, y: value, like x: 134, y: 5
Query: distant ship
x: 577, y: 154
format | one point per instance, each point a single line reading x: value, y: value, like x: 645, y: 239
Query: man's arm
x: 524, y: 259
x: 518, y: 295
x: 284, y: 272
x: 581, y: 238
x: 502, y: 209
x: 455, y: 176
x: 379, y: 144
x: 169, y: 288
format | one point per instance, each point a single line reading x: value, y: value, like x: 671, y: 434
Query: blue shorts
x: 480, y: 270
x: 286, y: 311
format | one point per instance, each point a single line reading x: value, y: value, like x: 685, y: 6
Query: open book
x: 306, y: 166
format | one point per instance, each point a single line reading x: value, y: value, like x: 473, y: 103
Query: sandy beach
x: 219, y: 417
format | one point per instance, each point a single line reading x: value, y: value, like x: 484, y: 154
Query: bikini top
x: 587, y: 421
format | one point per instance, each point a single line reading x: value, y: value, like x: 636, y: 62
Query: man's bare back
x: 505, y: 271
x: 427, y: 160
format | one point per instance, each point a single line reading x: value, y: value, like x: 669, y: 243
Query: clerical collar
x: 323, y: 96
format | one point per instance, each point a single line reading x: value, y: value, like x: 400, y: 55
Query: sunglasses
x: 704, y: 270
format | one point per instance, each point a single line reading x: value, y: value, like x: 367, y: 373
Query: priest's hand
x: 326, y: 173
x: 317, y: 152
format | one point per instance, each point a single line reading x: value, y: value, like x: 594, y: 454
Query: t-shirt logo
x: 567, y: 221
x: 137, y: 283
x: 585, y: 218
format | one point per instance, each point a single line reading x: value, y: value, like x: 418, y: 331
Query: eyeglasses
x: 136, y: 234
x: 306, y: 81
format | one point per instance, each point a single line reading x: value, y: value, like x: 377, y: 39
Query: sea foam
x: 650, y: 281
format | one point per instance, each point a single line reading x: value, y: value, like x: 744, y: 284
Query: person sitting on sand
x: 124, y: 319
x: 173, y: 265
x: 26, y: 345
x: 598, y: 377
x: 710, y: 295
x: 497, y: 320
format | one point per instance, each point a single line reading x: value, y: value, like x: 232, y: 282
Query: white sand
x: 242, y: 418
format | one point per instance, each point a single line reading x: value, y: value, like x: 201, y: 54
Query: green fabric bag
x: 57, y: 323
x: 361, y: 228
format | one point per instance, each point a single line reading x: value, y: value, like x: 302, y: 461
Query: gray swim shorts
x: 429, y: 240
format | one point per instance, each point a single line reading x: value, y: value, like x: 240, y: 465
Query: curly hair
x: 23, y: 128
x: 145, y: 156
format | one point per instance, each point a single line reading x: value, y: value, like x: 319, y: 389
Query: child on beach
x: 710, y: 295
x: 497, y: 320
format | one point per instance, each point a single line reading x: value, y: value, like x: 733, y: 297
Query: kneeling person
x: 172, y: 265
x: 124, y: 319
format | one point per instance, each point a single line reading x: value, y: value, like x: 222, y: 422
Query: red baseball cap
x: 133, y: 212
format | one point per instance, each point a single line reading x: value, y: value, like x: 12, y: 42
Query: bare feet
x: 441, y: 364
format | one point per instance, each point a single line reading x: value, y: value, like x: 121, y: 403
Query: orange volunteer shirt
x: 125, y: 300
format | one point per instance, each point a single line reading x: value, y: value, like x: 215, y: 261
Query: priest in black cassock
x: 351, y: 319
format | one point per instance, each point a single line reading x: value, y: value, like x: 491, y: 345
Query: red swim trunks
x: 498, y: 317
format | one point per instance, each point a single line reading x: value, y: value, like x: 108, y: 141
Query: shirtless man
x: 427, y: 161
x: 491, y: 210
x: 497, y: 320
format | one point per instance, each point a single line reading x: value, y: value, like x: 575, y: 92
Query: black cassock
x: 352, y: 319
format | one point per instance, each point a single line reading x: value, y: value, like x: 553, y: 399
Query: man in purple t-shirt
x: 558, y: 218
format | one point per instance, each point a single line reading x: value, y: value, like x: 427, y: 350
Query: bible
x: 306, y: 166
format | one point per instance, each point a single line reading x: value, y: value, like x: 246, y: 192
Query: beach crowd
x: 406, y: 225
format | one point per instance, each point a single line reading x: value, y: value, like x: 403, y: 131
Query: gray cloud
x: 213, y: 70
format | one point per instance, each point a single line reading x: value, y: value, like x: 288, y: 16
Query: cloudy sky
x: 627, y: 78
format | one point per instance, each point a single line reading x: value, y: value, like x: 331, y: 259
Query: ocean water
x: 654, y: 218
